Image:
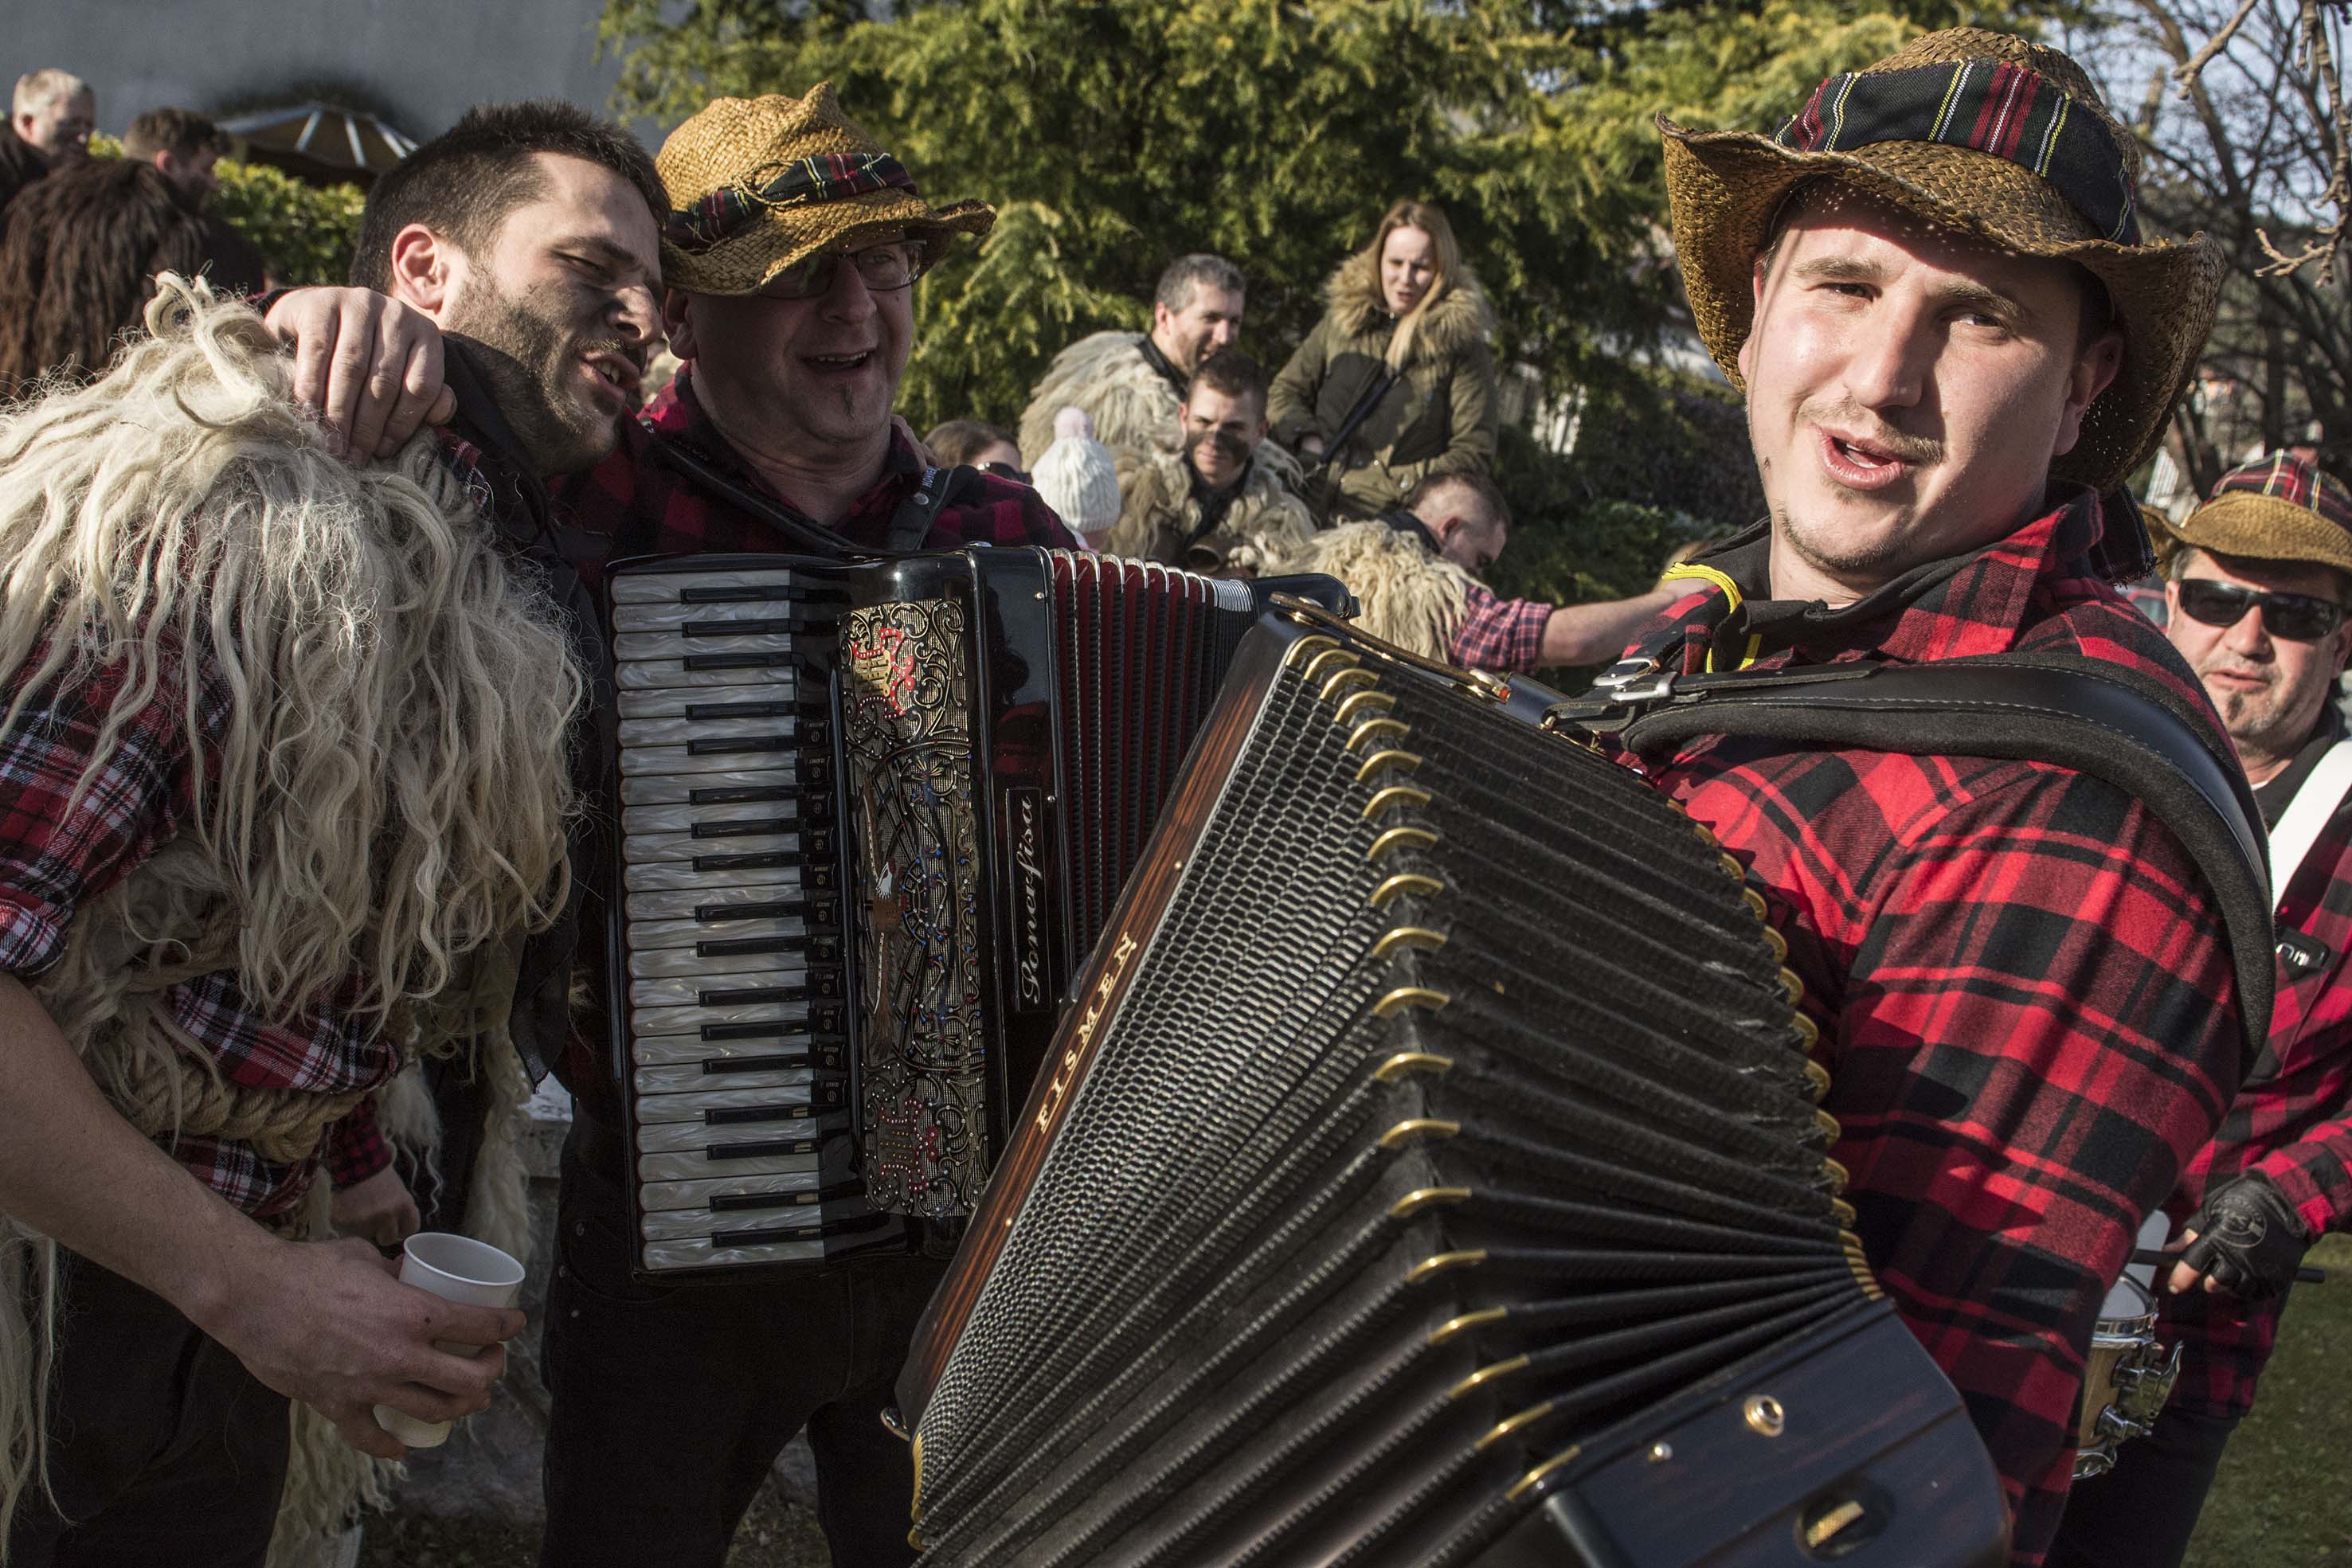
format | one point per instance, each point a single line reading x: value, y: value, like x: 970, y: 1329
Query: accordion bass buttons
x: 734, y: 1006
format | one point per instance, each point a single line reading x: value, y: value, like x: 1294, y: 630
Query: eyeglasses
x: 883, y: 266
x: 2297, y: 617
x: 1006, y: 471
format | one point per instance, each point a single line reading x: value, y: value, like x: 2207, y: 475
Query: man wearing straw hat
x: 1955, y: 344
x: 2258, y: 594
x: 789, y: 257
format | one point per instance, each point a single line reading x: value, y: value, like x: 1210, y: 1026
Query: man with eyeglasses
x: 790, y: 256
x: 2257, y: 602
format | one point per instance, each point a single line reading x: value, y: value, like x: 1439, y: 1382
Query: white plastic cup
x: 455, y: 1269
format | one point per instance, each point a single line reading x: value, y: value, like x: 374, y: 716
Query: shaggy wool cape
x: 1409, y: 597
x: 383, y: 813
x: 1267, y: 520
x: 1131, y: 404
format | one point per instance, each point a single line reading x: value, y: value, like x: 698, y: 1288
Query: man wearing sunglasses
x: 2257, y: 599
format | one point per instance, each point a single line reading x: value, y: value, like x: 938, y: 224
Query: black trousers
x: 671, y: 1403
x: 2140, y: 1514
x: 162, y: 1448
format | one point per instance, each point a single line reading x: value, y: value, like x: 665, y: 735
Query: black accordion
x: 1430, y: 1172
x: 872, y: 815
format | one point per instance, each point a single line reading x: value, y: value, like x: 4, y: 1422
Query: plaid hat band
x: 1988, y: 106
x: 828, y: 177
x: 2289, y: 478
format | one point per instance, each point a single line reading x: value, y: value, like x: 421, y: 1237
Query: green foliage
x: 1116, y: 136
x: 306, y: 232
x: 1658, y: 463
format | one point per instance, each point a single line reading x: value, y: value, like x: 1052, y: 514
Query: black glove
x: 2247, y: 1239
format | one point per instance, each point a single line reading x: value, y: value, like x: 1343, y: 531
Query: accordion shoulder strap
x: 2093, y: 716
x: 910, y: 525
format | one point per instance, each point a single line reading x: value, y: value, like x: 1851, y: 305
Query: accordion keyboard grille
x: 1454, y: 1108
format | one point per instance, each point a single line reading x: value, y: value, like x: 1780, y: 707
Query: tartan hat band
x: 827, y: 177
x: 1997, y: 107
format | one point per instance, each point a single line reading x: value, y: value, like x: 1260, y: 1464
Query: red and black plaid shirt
x: 56, y: 856
x: 2293, y: 1124
x: 634, y: 503
x: 1501, y: 634
x: 2024, y: 990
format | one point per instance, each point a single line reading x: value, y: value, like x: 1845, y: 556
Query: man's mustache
x: 1845, y: 415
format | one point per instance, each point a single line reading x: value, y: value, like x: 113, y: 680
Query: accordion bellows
x: 1435, y: 1108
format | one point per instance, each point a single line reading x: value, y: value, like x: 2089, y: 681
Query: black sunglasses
x: 2297, y: 617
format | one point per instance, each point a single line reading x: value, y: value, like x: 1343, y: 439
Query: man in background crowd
x: 2257, y: 601
x: 1132, y: 385
x: 1222, y: 501
x: 1419, y: 573
x: 49, y: 122
x: 184, y: 148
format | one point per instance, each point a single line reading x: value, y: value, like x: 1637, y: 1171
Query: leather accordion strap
x: 2062, y: 709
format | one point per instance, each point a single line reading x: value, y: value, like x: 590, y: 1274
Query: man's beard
x: 2264, y: 722
x: 531, y: 361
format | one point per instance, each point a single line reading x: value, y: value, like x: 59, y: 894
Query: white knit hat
x: 1080, y: 482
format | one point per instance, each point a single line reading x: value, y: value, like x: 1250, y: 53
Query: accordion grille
x: 1450, y: 1108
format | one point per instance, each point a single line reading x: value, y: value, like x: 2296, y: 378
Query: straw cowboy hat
x: 1981, y: 133
x: 2279, y: 507
x: 757, y: 184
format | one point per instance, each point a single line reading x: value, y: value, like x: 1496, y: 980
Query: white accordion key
x: 696, y: 1196
x: 662, y: 1256
x: 647, y: 1023
x: 726, y: 1058
x: 755, y: 750
x: 668, y: 675
x: 688, y: 1076
x: 736, y: 1157
x: 697, y: 1137
x: 631, y: 647
x: 697, y: 1106
x: 773, y: 720
x: 649, y: 849
x: 685, y: 963
x: 748, y: 901
x: 779, y: 690
x: 670, y: 587
x: 782, y: 977
x: 772, y: 782
x: 654, y: 935
x: 675, y: 876
x: 715, y: 819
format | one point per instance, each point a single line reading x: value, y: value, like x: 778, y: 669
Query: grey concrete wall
x: 421, y: 63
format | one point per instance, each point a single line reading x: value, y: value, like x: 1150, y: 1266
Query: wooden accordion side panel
x: 1433, y: 1113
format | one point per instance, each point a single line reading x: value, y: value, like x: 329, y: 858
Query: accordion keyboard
x: 737, y: 1068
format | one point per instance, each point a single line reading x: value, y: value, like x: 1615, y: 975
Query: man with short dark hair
x: 2256, y: 605
x: 2027, y: 1007
x: 1419, y: 572
x: 190, y: 1319
x: 183, y: 145
x: 1222, y: 502
x: 1133, y: 385
x: 51, y: 115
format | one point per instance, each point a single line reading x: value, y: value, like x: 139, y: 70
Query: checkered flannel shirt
x: 633, y: 503
x: 2292, y: 1122
x: 57, y: 851
x: 1501, y: 634
x: 2024, y: 990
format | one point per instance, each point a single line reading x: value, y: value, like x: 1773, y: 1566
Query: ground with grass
x: 2284, y: 1499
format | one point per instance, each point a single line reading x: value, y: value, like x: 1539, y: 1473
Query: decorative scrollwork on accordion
x: 907, y: 720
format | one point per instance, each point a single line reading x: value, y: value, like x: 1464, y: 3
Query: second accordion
x: 872, y: 815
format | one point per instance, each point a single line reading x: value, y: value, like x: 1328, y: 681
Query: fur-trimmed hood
x: 1454, y: 320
